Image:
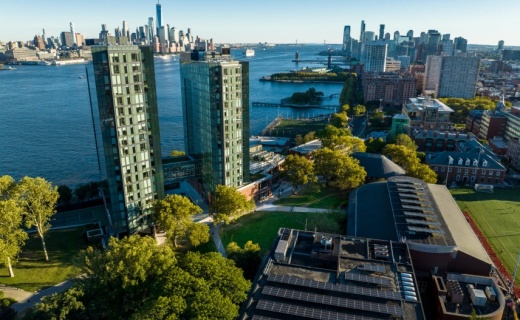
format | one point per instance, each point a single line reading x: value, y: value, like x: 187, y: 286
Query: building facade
x: 347, y: 41
x: 432, y: 74
x: 375, y: 56
x: 125, y: 86
x: 427, y: 113
x: 458, y: 77
x: 463, y: 167
x: 215, y: 106
x: 389, y: 88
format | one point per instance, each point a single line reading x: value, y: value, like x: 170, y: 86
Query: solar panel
x: 427, y: 230
x: 369, y: 292
x: 333, y: 301
x: 423, y: 222
x: 372, y: 267
x: 418, y: 214
x: 419, y: 208
x: 415, y: 201
x: 410, y: 195
x: 305, y: 312
x: 367, y: 279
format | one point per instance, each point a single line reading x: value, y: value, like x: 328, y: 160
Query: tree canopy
x: 298, y: 170
x: 247, y: 258
x: 408, y: 159
x: 375, y: 145
x: 339, y: 120
x: 38, y: 199
x: 340, y: 139
x: 359, y: 110
x: 136, y: 279
x: 340, y: 170
x: 229, y: 204
x: 173, y: 215
x: 12, y: 237
x: 403, y: 139
x: 463, y: 106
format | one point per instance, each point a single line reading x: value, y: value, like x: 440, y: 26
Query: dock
x: 299, y: 106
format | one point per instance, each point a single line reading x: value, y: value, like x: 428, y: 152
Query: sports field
x: 498, y: 217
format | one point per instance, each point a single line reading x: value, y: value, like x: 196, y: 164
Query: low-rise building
x: 436, y: 141
x: 462, y: 167
x: 328, y: 276
x: 389, y: 88
x: 427, y: 113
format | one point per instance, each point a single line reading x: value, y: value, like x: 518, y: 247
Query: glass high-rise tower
x: 215, y: 106
x: 125, y: 86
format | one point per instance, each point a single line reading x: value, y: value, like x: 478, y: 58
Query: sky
x: 274, y: 21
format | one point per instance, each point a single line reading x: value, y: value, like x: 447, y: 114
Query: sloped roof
x: 378, y: 166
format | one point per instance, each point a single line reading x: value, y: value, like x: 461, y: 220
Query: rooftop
x: 378, y: 166
x: 327, y: 276
x: 308, y: 147
x: 423, y: 103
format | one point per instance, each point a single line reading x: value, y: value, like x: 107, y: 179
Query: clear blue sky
x: 277, y: 21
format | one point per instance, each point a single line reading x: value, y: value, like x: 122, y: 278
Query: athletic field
x: 498, y: 217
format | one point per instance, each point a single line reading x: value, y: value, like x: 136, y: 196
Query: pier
x: 299, y: 106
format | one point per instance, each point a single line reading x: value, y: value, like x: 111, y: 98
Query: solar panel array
x: 305, y: 312
x: 418, y: 214
x: 257, y: 317
x: 333, y: 301
x: 367, y: 279
x: 423, y: 222
x: 362, y: 291
x: 372, y: 267
x: 427, y: 230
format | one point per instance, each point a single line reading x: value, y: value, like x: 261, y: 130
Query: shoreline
x: 302, y: 81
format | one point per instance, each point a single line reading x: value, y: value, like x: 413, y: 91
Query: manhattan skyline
x: 288, y: 21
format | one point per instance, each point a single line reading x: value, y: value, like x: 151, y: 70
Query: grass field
x: 33, y: 273
x: 262, y: 227
x: 291, y: 128
x: 498, y: 217
x: 323, y: 198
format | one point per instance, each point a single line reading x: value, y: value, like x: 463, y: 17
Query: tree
x: 298, y: 170
x: 330, y: 132
x: 173, y: 215
x: 247, y: 258
x: 377, y: 119
x: 408, y: 159
x: 309, y: 137
x: 359, y: 110
x: 339, y: 120
x: 340, y: 170
x: 405, y: 140
x: 38, y: 198
x: 198, y: 233
x: 375, y: 145
x: 229, y: 204
x: 12, y: 237
x: 65, y: 195
x: 136, y: 279
x: 298, y: 139
x: 177, y: 153
x: 345, y: 108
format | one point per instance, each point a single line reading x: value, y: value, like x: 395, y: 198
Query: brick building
x: 390, y: 88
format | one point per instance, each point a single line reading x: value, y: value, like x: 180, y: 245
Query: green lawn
x: 498, y: 217
x: 291, y: 128
x: 33, y: 273
x: 322, y: 198
x: 262, y: 227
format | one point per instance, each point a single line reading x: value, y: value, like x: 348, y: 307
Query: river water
x: 46, y: 126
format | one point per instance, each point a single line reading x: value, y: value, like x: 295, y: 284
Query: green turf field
x: 498, y: 217
x: 290, y: 128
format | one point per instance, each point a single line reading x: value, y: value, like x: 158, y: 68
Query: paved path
x: 29, y: 299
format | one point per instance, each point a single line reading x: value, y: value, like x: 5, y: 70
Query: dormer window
x: 467, y: 162
x: 475, y: 162
x: 450, y: 160
x: 484, y: 163
x: 460, y: 161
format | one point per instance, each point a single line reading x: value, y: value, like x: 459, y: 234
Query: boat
x: 249, y: 52
x: 44, y: 63
x: 2, y: 68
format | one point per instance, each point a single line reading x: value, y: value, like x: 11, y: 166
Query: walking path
x: 28, y: 299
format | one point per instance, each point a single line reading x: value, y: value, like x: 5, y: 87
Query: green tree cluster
x: 299, y: 170
x: 310, y: 96
x: 375, y: 145
x: 173, y: 215
x: 408, y: 159
x: 463, y: 106
x: 340, y: 170
x: 30, y: 202
x: 352, y: 92
x: 306, y: 138
x: 228, y: 204
x: 247, y: 258
x: 177, y: 153
x: 340, y: 139
x: 359, y: 110
x: 136, y: 279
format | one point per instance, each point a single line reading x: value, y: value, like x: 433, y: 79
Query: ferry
x: 249, y: 52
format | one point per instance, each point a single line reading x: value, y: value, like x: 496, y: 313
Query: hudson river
x: 46, y: 127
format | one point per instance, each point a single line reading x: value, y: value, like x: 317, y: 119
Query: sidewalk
x: 32, y: 299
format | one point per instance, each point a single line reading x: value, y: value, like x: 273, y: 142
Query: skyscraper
x: 125, y: 86
x: 460, y: 44
x: 73, y: 33
x: 458, y: 77
x: 500, y: 45
x: 432, y: 74
x: 215, y: 106
x: 151, y: 28
x: 381, y: 31
x: 347, y: 41
x: 376, y: 54
x: 158, y: 14
x: 361, y: 40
